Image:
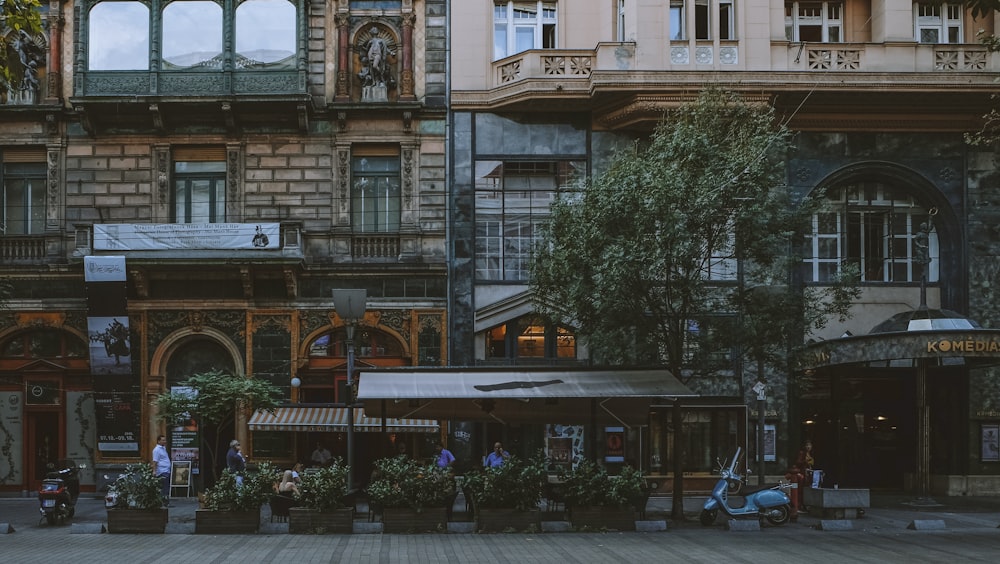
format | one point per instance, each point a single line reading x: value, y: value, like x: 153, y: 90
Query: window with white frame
x: 520, y: 26
x: 814, y: 22
x: 937, y: 23
x: 621, y: 20
x: 712, y: 19
x: 22, y: 197
x: 512, y: 205
x: 678, y: 26
x: 876, y: 227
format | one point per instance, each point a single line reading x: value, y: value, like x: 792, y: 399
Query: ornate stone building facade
x: 318, y: 124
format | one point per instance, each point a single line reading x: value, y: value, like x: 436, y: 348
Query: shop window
x: 512, y: 205
x: 367, y: 343
x: 272, y: 445
x: 708, y: 433
x: 814, y: 22
x: 530, y: 337
x: 876, y: 227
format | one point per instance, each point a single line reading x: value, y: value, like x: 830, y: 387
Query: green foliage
x: 515, y: 484
x: 325, y: 489
x: 227, y: 495
x: 401, y: 482
x: 137, y: 488
x: 16, y: 16
x: 590, y: 485
x: 217, y: 396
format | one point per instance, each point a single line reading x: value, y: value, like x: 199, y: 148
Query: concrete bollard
x: 926, y: 525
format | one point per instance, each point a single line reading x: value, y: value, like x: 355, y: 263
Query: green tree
x: 215, y: 399
x: 19, y: 19
x: 633, y: 258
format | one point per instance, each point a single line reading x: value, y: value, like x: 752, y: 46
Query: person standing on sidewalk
x: 161, y: 467
x: 236, y: 462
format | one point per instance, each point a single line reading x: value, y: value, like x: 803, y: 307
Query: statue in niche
x: 376, y: 74
x: 29, y: 54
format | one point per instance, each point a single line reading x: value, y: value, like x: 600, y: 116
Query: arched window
x: 877, y: 226
x: 43, y: 343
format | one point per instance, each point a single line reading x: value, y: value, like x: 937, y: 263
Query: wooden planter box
x: 490, y: 520
x: 611, y: 518
x: 302, y: 521
x: 137, y: 521
x: 208, y: 522
x: 429, y: 520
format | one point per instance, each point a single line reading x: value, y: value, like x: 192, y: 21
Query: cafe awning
x: 333, y: 420
x: 519, y: 395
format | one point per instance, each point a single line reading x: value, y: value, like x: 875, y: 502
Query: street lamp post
x: 350, y: 306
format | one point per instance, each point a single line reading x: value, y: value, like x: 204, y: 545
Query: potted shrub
x: 596, y: 500
x: 505, y: 498
x: 321, y: 502
x: 412, y: 497
x: 138, y: 505
x: 233, y: 509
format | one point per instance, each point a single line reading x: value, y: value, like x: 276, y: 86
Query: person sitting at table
x: 288, y: 485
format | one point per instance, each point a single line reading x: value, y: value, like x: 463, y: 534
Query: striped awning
x: 333, y: 420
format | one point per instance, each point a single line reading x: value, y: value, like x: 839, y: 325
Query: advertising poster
x: 614, y: 449
x: 11, y: 436
x: 991, y: 443
x: 184, y: 437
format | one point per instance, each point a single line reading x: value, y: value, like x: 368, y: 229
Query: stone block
x: 650, y: 526
x: 363, y: 528
x: 926, y: 525
x: 829, y: 498
x: 836, y: 525
x: 87, y: 528
x: 556, y: 526
x: 743, y: 525
x: 6, y: 528
x: 461, y: 527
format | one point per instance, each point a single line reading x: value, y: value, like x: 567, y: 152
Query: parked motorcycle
x: 770, y: 503
x: 59, y: 492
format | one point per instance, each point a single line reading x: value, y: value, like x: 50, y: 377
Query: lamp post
x: 761, y: 389
x: 350, y: 306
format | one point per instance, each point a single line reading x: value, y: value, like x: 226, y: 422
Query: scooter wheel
x: 707, y: 517
x: 778, y: 515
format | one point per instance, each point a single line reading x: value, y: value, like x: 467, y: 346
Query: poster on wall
x: 770, y: 443
x: 991, y: 443
x: 11, y: 438
x: 81, y: 437
x: 563, y: 446
x: 614, y: 444
x: 184, y: 437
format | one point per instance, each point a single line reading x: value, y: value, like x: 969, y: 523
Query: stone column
x: 343, y: 50
x: 406, y: 76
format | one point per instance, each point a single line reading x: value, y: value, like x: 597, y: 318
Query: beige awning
x: 333, y: 420
x: 518, y: 395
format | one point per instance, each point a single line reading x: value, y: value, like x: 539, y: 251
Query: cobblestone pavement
x: 970, y: 534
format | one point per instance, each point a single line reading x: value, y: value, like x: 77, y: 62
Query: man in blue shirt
x: 236, y: 462
x: 161, y: 467
x: 445, y: 459
x: 497, y: 457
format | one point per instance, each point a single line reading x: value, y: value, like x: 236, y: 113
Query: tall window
x: 814, y: 22
x: 520, y: 26
x: 678, y: 25
x: 199, y: 186
x: 938, y: 23
x: 530, y: 337
x: 512, y: 204
x: 712, y: 19
x: 621, y: 20
x: 875, y: 227
x: 192, y: 35
x: 375, y: 195
x: 23, y: 197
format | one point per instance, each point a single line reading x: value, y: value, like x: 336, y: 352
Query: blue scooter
x: 770, y: 503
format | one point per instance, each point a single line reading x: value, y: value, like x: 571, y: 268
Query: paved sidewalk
x: 971, y: 534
